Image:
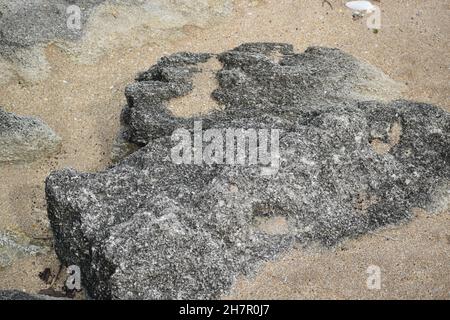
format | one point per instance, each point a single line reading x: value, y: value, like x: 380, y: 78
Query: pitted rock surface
x: 87, y: 29
x: 148, y: 228
x: 25, y: 139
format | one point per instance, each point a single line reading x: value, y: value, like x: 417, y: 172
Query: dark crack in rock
x: 25, y: 139
x: 148, y: 228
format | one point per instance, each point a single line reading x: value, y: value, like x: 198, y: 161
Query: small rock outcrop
x: 86, y: 29
x: 25, y: 139
x: 347, y: 161
x: 14, y: 247
x: 19, y: 295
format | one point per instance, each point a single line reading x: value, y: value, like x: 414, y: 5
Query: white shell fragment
x: 360, y: 6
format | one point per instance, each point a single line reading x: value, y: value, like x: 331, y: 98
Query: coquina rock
x: 86, y: 29
x: 344, y: 160
x: 25, y: 139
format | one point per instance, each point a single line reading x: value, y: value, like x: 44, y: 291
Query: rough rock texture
x: 24, y: 139
x: 13, y: 247
x: 19, y: 295
x: 150, y: 228
x: 27, y: 27
x: 25, y: 23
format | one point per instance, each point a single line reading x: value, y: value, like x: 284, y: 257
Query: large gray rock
x: 148, y: 228
x: 25, y: 23
x: 27, y: 27
x: 25, y: 139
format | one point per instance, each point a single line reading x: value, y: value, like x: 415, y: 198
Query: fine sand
x: 82, y: 103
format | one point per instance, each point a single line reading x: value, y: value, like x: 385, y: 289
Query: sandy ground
x: 413, y: 261
x: 82, y: 104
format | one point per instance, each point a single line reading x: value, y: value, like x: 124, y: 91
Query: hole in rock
x: 274, y: 225
x: 200, y: 100
x: 381, y: 147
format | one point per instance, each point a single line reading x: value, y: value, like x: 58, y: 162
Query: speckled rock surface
x: 26, y: 23
x: 25, y: 139
x: 19, y: 295
x: 86, y: 29
x: 13, y: 247
x: 148, y: 228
